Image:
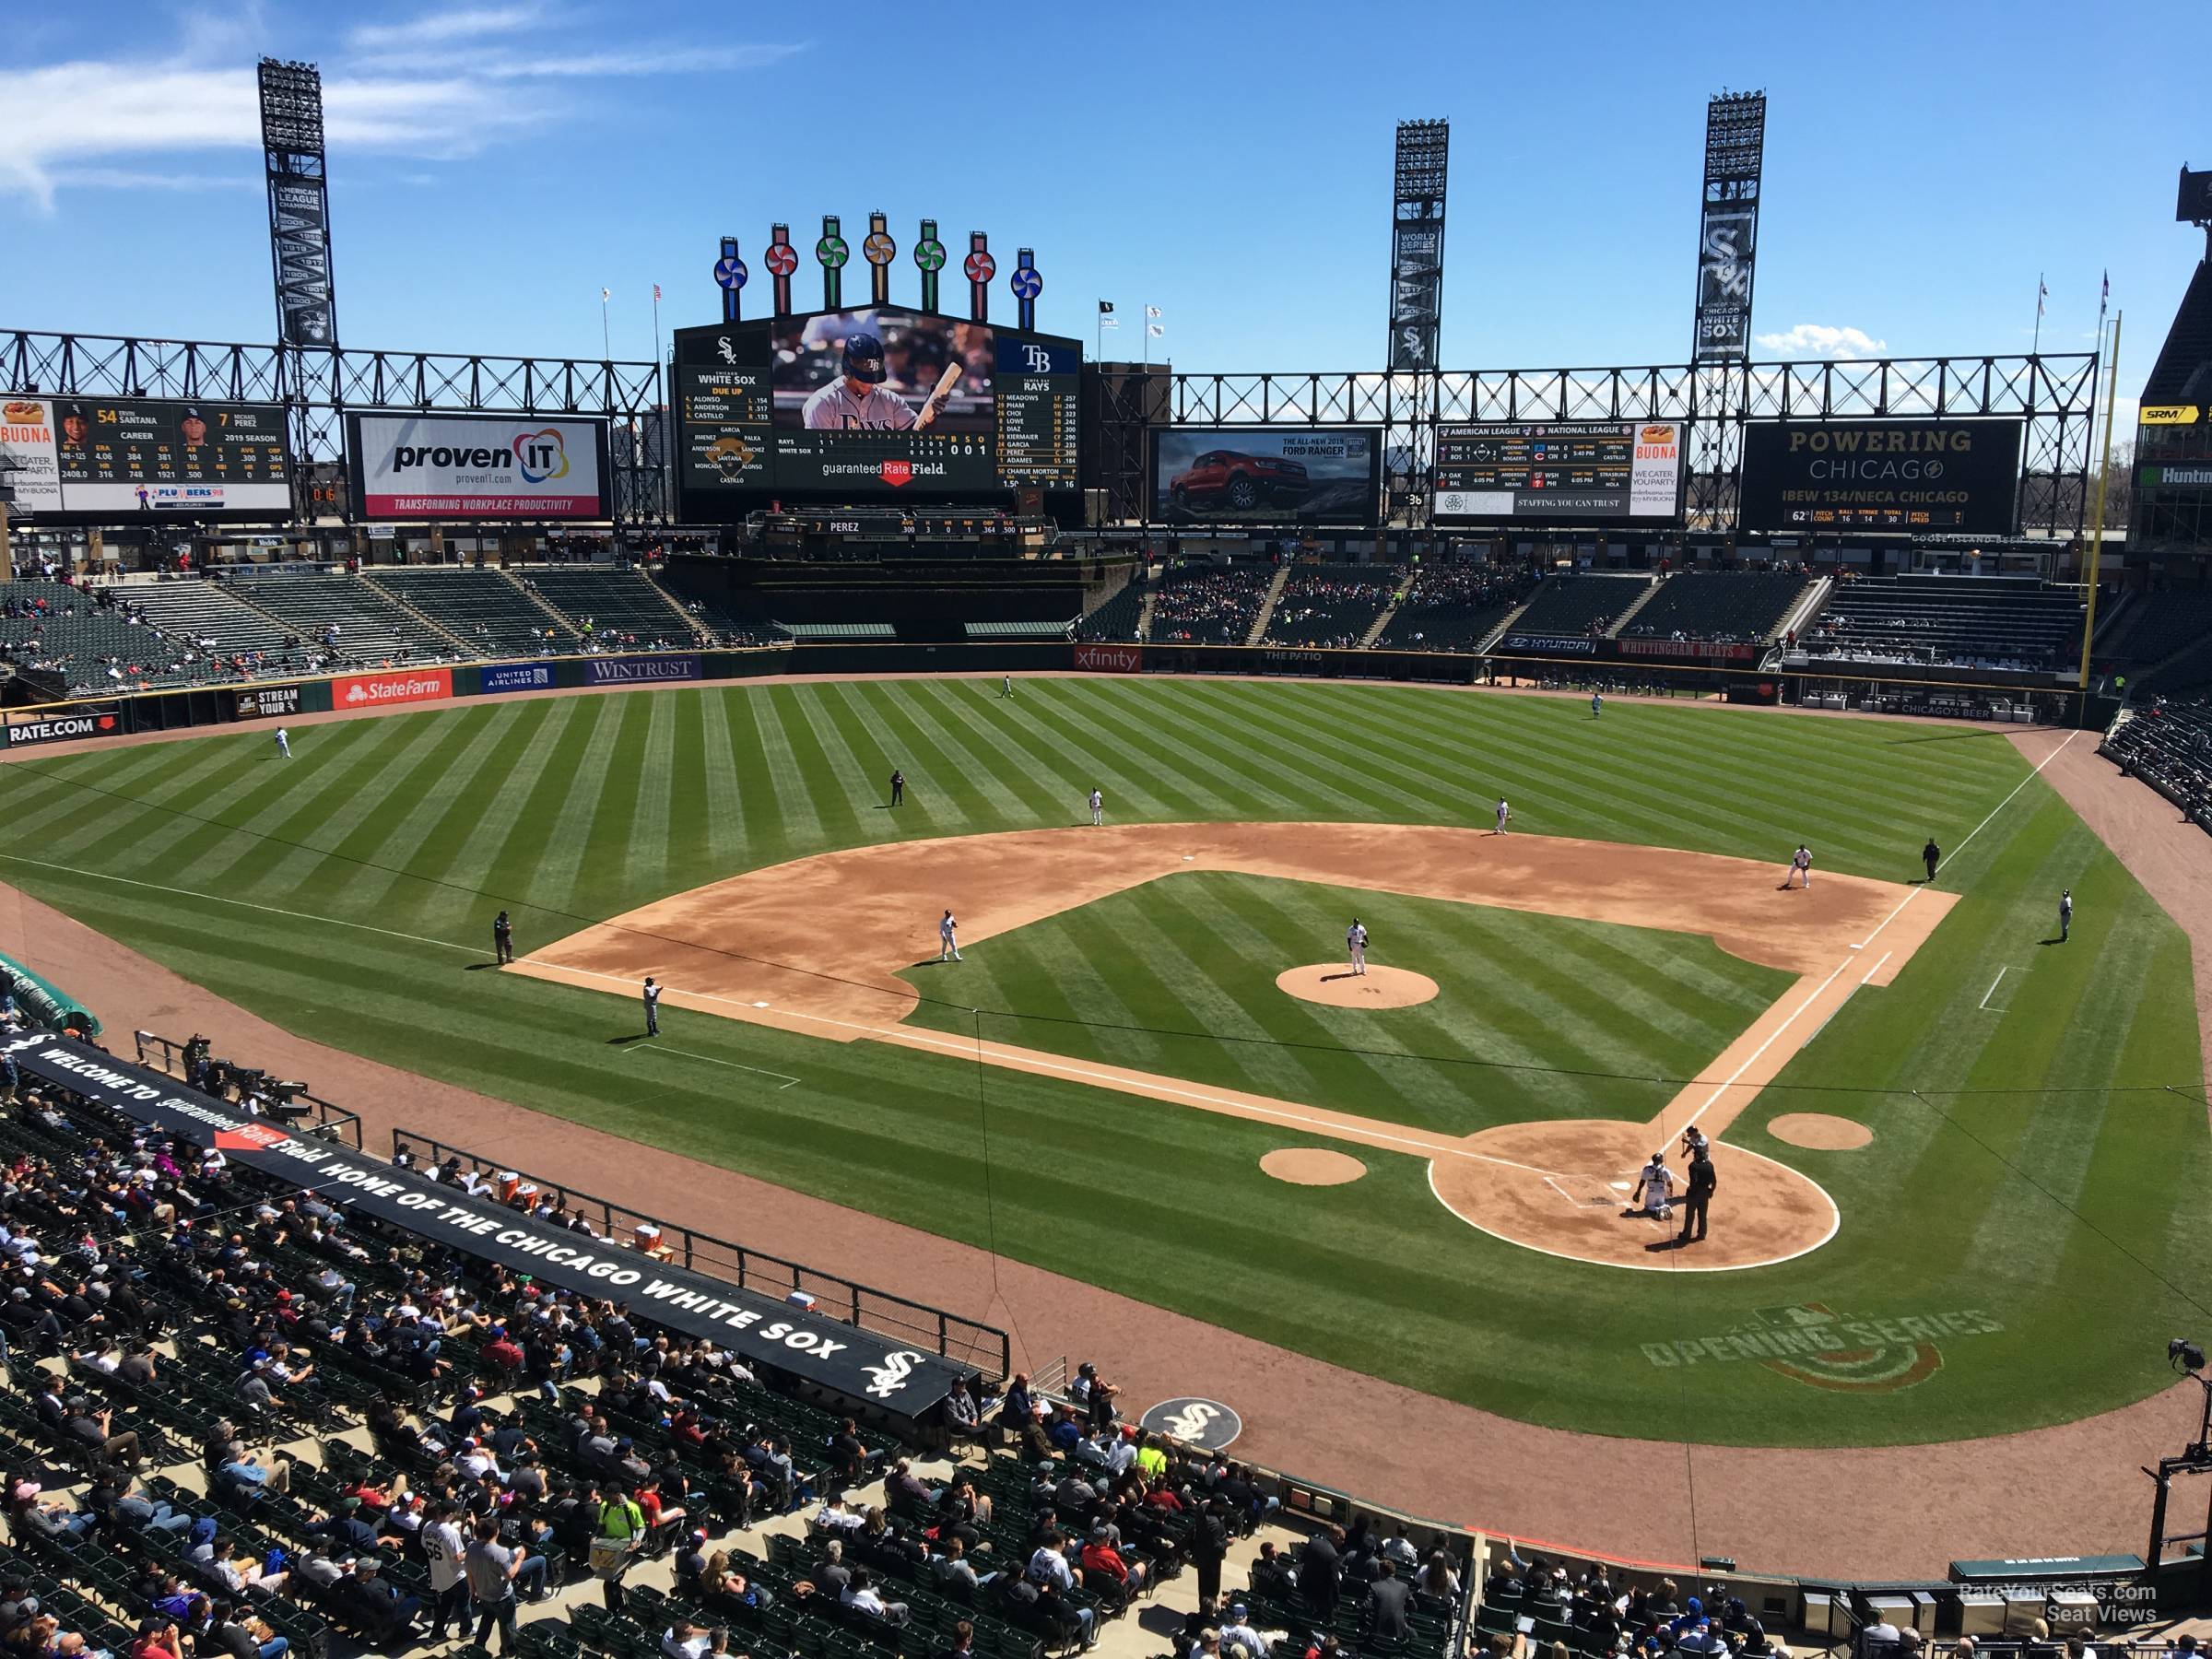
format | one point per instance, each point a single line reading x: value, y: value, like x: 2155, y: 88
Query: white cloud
x: 507, y: 66
x: 1817, y: 339
x: 437, y: 28
x: 128, y: 178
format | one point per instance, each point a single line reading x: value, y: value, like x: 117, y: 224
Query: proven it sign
x: 446, y: 466
x: 398, y: 686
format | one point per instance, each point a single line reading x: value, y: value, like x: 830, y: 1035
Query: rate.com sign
x: 447, y: 466
x: 30, y: 727
x: 383, y: 691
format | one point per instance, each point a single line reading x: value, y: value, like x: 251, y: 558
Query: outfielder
x: 857, y: 399
x: 948, y: 942
x: 1597, y: 704
x: 1098, y: 806
x: 2065, y: 916
x: 1801, y: 867
x: 1505, y: 812
x: 284, y: 743
x: 1355, y: 945
x: 1654, y: 1189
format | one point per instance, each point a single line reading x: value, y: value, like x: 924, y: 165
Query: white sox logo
x: 1206, y: 1424
x: 892, y: 1375
x: 721, y: 345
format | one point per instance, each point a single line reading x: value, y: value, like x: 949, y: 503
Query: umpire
x: 1931, y: 855
x: 1702, y: 1180
x: 503, y: 939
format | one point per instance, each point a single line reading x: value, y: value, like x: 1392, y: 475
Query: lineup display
x: 873, y: 402
x: 1961, y: 476
x: 1565, y: 472
x: 127, y: 456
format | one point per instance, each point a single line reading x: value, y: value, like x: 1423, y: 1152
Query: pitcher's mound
x: 1335, y: 985
x: 1311, y: 1166
x: 1818, y: 1132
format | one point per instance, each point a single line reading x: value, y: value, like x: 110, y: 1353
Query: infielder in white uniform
x: 1098, y: 807
x: 1654, y: 1189
x: 1505, y: 812
x: 1801, y: 867
x: 284, y: 743
x: 858, y: 400
x: 949, y: 944
x: 1355, y: 945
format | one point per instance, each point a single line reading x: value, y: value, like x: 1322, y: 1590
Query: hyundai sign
x: 448, y: 466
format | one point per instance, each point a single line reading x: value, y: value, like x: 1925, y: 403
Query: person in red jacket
x: 1101, y: 1557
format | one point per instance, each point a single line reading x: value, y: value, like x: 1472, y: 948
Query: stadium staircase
x: 1810, y: 604
x: 1366, y: 640
x: 1628, y: 616
x: 1144, y: 615
x: 1490, y: 641
x: 397, y: 603
x: 1275, y: 591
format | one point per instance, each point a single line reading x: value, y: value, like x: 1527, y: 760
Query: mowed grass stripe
x: 1366, y: 775
x: 843, y: 744
x: 933, y: 802
x: 1217, y: 777
x: 489, y: 817
x: 798, y: 822
x: 972, y: 775
x: 986, y: 740
x: 1063, y: 718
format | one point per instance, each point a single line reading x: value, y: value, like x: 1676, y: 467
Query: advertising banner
x: 1736, y: 139
x: 1110, y: 659
x: 1701, y: 650
x: 394, y: 685
x: 819, y: 1350
x: 27, y: 460
x: 409, y: 467
x: 638, y: 670
x: 267, y: 702
x: 1961, y: 476
x: 1268, y: 476
x: 29, y: 727
x: 1564, y: 472
x: 1550, y: 644
x: 1416, y: 287
x: 2195, y: 474
x: 514, y: 676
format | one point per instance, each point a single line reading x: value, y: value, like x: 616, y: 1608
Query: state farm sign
x: 399, y: 686
x: 1110, y: 659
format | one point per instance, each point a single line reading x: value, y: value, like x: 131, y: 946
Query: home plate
x: 1623, y: 1186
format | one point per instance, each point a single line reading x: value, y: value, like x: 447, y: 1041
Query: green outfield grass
x: 2009, y: 1185
x: 1535, y: 1016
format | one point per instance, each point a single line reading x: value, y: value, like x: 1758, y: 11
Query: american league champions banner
x: 1735, y: 129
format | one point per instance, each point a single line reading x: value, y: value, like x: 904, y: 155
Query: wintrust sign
x: 638, y: 670
x: 383, y: 691
x: 449, y: 466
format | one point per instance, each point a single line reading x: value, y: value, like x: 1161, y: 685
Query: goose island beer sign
x: 1959, y: 475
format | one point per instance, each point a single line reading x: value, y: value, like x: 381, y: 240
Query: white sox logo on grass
x: 1206, y: 1424
x: 1812, y: 1344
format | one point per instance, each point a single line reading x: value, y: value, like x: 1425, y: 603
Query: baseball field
x: 1956, y: 1156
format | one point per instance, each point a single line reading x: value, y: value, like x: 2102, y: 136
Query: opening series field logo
x: 1812, y: 1344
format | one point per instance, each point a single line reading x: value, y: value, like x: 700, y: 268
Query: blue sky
x: 495, y: 163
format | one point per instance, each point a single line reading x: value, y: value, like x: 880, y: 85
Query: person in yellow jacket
x: 621, y: 1539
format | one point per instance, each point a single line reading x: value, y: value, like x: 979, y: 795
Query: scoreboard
x: 1561, y: 472
x: 126, y: 456
x: 879, y: 404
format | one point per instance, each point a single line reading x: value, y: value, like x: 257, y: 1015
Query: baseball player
x: 1098, y: 805
x: 1005, y: 687
x: 2065, y: 914
x: 898, y: 786
x: 1801, y: 867
x: 1597, y: 704
x: 1505, y: 812
x: 1654, y: 1189
x: 948, y: 942
x: 1355, y: 945
x: 503, y: 939
x: 857, y: 399
x: 284, y: 743
x: 1693, y: 1141
x: 652, y: 1007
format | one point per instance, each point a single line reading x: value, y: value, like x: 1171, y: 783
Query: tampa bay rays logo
x: 892, y: 1375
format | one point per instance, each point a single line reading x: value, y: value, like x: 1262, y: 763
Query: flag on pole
x: 1151, y: 310
x: 656, y: 293
x: 1105, y: 308
x: 2041, y: 294
x: 1155, y: 330
x: 604, y: 295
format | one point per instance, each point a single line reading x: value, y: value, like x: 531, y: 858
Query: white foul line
x: 711, y: 1060
x: 1993, y: 986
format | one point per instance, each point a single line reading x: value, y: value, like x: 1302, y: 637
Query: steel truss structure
x: 325, y: 384
x: 2054, y: 394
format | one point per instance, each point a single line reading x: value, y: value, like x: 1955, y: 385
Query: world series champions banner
x: 1416, y: 245
x: 1736, y: 136
x: 855, y: 1362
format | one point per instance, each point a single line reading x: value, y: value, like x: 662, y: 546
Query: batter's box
x: 1997, y: 999
x: 1584, y: 1191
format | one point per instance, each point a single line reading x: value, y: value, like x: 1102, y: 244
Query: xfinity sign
x: 474, y: 466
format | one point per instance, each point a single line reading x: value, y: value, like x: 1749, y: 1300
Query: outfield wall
x: 268, y: 702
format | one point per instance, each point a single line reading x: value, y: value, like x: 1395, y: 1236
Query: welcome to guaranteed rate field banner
x: 855, y: 1362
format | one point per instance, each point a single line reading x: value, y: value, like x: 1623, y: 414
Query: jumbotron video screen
x: 873, y: 402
